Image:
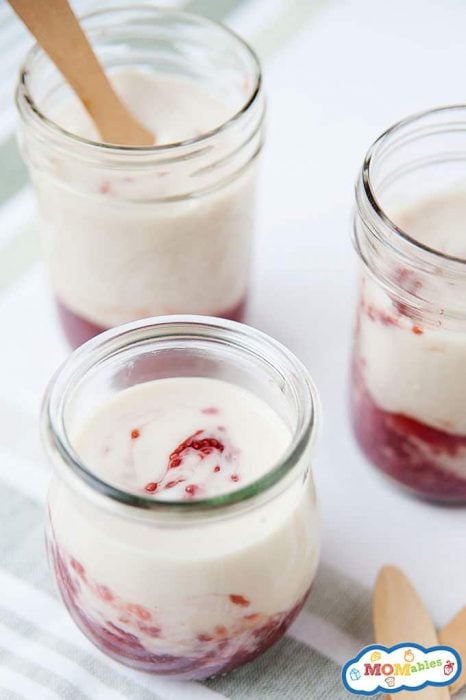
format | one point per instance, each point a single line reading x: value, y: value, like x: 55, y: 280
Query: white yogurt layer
x: 173, y: 109
x: 418, y: 371
x: 195, y: 577
x: 116, y: 249
x: 228, y: 435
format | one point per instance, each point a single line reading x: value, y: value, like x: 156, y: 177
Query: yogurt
x: 192, y: 598
x: 129, y: 234
x: 183, y: 438
x: 410, y: 394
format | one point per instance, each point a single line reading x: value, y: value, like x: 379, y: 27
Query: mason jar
x: 186, y: 588
x: 409, y: 363
x: 132, y: 232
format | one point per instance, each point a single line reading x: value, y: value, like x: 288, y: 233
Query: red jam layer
x: 216, y: 651
x: 78, y: 330
x: 405, y: 449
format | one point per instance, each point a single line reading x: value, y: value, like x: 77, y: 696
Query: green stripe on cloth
x: 215, y: 9
x: 343, y: 602
x: 89, y: 663
x: 289, y: 670
x: 22, y: 552
x: 40, y: 675
x: 13, y: 173
x: 23, y: 556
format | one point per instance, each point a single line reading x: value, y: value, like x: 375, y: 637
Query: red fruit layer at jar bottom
x: 128, y: 649
x: 407, y: 450
x: 78, y: 330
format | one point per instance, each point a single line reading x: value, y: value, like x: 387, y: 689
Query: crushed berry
x: 204, y: 637
x: 140, y: 612
x: 239, y: 600
x: 210, y: 411
x: 203, y: 446
x: 226, y: 647
x: 381, y: 316
x: 234, y: 477
x: 104, y: 592
x: 79, y: 568
x: 150, y: 630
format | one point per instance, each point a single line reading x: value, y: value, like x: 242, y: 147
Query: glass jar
x: 183, y: 588
x: 409, y: 364
x: 133, y: 232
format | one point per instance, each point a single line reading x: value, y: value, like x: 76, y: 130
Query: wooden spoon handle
x: 57, y: 30
x: 400, y: 616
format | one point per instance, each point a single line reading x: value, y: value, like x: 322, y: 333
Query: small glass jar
x: 409, y: 363
x: 133, y: 232
x: 182, y: 588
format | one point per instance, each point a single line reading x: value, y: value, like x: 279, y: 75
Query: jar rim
x: 110, y: 342
x: 374, y: 202
x: 27, y: 107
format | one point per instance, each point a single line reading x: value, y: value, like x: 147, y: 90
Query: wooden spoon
x: 400, y: 616
x: 454, y: 635
x: 57, y: 30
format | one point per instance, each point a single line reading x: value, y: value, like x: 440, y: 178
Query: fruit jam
x: 408, y: 451
x: 78, y: 330
x: 205, y: 654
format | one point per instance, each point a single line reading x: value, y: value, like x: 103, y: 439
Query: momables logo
x: 402, y: 667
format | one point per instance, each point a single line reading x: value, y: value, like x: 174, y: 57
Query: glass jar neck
x: 167, y: 44
x: 403, y: 168
x: 243, y: 355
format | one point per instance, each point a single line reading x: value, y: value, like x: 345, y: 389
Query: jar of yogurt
x: 132, y: 232
x: 409, y: 366
x: 182, y: 525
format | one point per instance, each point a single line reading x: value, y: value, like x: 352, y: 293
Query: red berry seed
x: 140, y: 612
x: 104, y: 592
x: 239, y: 600
x: 78, y: 567
x: 135, y: 434
x: 151, y: 487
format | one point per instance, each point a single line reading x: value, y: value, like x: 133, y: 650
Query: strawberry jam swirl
x: 199, y: 447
